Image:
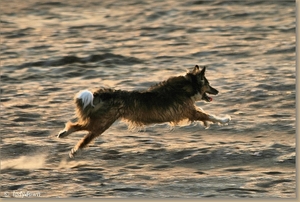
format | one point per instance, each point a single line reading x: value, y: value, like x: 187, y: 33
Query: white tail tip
x: 87, y: 97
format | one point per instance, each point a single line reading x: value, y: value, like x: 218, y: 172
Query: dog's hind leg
x: 82, y: 143
x: 96, y: 130
x: 70, y: 128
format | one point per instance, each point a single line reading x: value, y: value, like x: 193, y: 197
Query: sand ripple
x: 50, y: 50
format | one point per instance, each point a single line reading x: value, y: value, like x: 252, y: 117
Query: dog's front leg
x: 205, y: 118
x: 221, y: 120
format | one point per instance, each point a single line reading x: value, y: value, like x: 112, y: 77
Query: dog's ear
x: 195, y: 70
x: 201, y: 74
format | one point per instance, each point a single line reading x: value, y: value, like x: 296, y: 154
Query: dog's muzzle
x: 206, y: 97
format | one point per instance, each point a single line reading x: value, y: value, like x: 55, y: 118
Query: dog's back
x: 167, y: 101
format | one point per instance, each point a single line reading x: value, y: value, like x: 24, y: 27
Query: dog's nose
x: 213, y: 91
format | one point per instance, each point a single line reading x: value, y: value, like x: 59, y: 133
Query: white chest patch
x: 197, y: 97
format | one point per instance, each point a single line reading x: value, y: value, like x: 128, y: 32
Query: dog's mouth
x: 206, y: 98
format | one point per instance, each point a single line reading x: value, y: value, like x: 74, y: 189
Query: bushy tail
x: 84, y: 103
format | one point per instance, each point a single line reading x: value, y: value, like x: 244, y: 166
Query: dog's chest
x: 196, y: 97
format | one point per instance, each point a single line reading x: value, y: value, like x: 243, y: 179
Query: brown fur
x: 169, y: 101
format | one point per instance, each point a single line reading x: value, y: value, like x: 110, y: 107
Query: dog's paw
x: 206, y: 124
x: 220, y: 120
x: 62, y: 134
x: 224, y: 120
x: 73, y: 153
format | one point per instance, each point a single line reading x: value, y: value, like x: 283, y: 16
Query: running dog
x: 170, y: 101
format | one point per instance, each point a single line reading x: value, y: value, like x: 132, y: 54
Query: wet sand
x: 50, y: 50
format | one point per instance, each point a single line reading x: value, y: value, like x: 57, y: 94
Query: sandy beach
x: 50, y: 50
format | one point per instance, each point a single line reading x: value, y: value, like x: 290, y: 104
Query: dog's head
x: 203, y: 86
